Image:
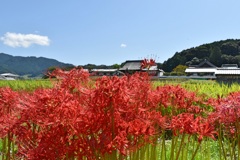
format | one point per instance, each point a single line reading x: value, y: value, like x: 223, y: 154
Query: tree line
x: 218, y: 53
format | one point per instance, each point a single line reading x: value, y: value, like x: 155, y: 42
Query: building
x: 8, y: 76
x: 204, y: 70
x: 132, y: 66
x: 228, y: 73
x: 225, y: 73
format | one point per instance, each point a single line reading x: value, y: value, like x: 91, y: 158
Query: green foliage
x: 214, y: 56
x: 93, y: 66
x: 221, y: 52
x: 116, y: 66
x: 180, y: 70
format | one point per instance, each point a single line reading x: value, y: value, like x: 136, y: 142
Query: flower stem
x: 180, y: 147
x: 195, y: 152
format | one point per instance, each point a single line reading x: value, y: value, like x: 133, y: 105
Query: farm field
x: 201, y: 87
x: 26, y: 85
x: 119, y: 118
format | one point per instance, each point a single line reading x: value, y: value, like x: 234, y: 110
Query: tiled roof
x: 228, y: 71
x: 131, y: 65
x: 200, y: 70
x: 217, y: 71
x: 206, y: 63
x: 230, y: 66
x: 135, y: 65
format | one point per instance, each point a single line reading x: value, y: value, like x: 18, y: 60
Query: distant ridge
x: 33, y: 66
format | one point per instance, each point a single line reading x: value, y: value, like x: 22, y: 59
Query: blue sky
x: 113, y: 31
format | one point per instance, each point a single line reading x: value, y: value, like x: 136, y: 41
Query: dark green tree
x: 215, y: 56
x: 115, y: 66
x: 230, y: 48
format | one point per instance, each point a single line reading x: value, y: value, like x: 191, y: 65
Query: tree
x: 194, y: 61
x: 115, y: 66
x: 238, y: 60
x: 230, y: 48
x: 179, y: 70
x: 215, y: 56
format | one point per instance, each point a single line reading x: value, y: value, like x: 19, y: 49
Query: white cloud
x: 123, y: 45
x: 24, y: 40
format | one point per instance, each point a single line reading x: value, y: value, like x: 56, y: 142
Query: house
x: 225, y: 73
x: 8, y: 76
x: 132, y: 66
x: 228, y: 73
x: 204, y: 69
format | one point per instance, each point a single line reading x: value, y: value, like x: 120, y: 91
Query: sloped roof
x: 206, y: 64
x: 230, y: 66
x: 132, y: 65
x: 135, y: 65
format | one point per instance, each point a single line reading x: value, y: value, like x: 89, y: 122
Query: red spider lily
x: 186, y: 123
x: 84, y: 119
x: 227, y: 114
x: 182, y: 123
x: 74, y: 119
x: 8, y: 110
x: 124, y: 103
x: 204, y: 129
x: 147, y: 63
x: 173, y: 100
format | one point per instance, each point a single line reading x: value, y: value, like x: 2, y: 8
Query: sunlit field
x: 208, y: 88
x: 27, y: 85
x: 119, y: 118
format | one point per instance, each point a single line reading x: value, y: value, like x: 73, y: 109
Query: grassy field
x: 207, y: 88
x: 26, y: 85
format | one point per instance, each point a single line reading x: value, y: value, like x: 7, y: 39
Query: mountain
x: 218, y: 53
x: 33, y: 66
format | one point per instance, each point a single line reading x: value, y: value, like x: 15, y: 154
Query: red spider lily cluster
x: 227, y: 115
x: 147, y: 63
x: 80, y: 118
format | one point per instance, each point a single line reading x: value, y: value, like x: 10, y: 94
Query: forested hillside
x: 218, y: 53
x: 32, y: 66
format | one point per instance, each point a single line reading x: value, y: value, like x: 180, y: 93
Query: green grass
x: 26, y: 85
x: 207, y: 88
